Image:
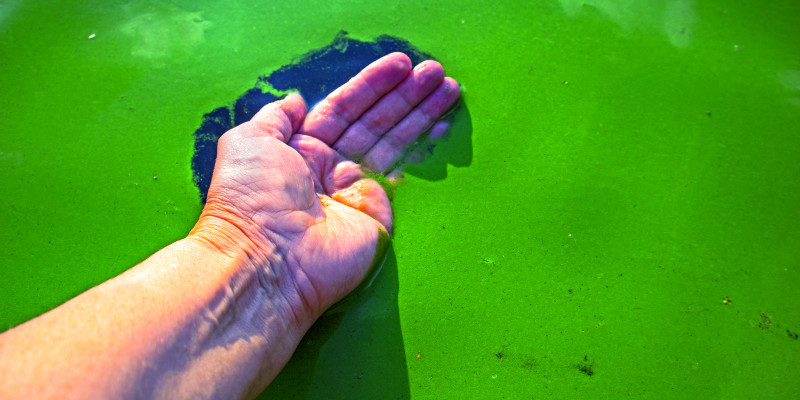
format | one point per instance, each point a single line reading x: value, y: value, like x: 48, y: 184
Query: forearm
x: 190, y: 321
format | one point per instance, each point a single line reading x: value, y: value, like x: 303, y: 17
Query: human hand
x: 290, y: 226
x: 286, y: 196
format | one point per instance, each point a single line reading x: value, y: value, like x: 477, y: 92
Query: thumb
x: 367, y: 196
x: 279, y: 119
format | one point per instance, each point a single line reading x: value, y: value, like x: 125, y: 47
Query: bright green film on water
x: 616, y: 213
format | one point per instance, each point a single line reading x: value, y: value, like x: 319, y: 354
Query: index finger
x: 341, y: 108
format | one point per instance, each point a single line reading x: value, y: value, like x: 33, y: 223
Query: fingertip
x: 439, y: 129
x: 386, y: 72
x: 279, y: 119
x: 401, y: 60
x: 295, y: 108
x: 424, y: 79
x: 453, y: 88
x: 443, y: 98
x: 433, y: 66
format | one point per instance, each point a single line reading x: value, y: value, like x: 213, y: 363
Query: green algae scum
x: 613, y: 215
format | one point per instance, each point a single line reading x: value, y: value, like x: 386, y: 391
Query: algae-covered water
x: 615, y: 214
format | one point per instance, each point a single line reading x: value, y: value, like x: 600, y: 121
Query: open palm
x: 287, y: 182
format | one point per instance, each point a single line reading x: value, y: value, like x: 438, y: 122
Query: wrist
x: 218, y: 234
x: 260, y: 263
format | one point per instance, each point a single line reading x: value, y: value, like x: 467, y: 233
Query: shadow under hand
x: 355, y: 351
x: 454, y: 148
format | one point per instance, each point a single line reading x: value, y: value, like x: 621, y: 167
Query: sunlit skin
x: 290, y: 227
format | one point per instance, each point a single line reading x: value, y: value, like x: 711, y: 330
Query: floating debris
x: 587, y: 369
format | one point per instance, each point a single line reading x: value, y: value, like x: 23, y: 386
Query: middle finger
x: 391, y: 109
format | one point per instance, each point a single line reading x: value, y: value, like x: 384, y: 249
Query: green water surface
x: 621, y: 169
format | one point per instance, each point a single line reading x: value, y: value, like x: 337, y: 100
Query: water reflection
x: 791, y: 80
x: 673, y: 18
x: 165, y: 33
x: 7, y: 8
